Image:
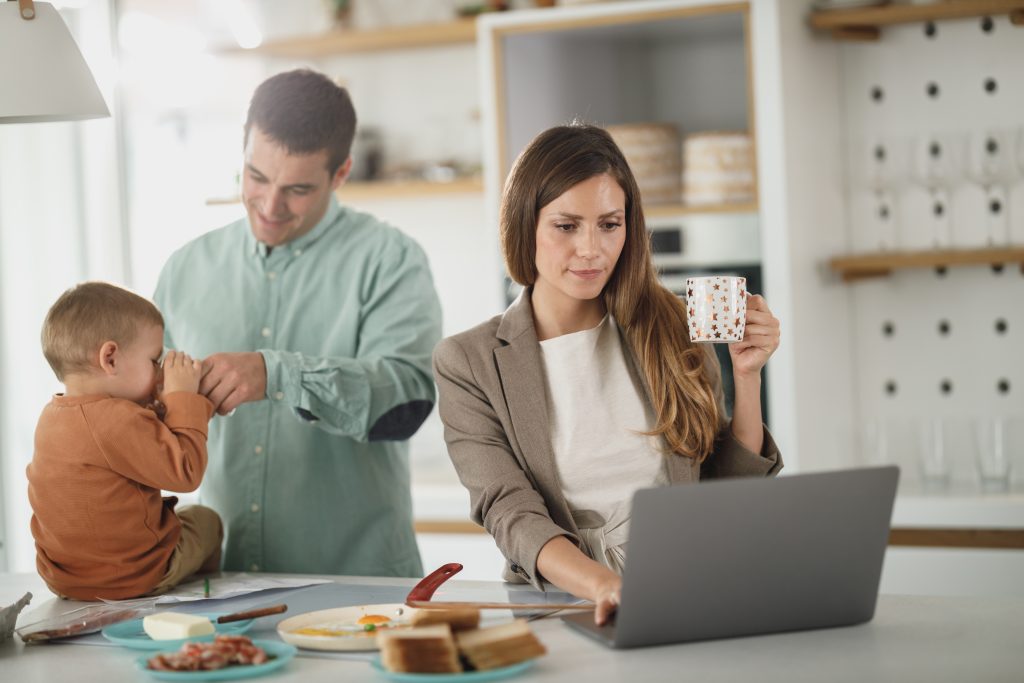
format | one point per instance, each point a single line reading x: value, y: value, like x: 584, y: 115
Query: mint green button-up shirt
x: 315, y: 478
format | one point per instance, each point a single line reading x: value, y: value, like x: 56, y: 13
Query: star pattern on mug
x: 716, y: 308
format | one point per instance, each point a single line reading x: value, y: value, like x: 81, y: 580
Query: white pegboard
x: 930, y: 344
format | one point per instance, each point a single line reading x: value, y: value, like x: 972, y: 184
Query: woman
x: 587, y: 388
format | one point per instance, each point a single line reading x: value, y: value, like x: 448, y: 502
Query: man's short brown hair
x: 86, y: 316
x: 305, y: 112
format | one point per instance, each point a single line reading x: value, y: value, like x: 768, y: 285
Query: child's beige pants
x: 198, y: 548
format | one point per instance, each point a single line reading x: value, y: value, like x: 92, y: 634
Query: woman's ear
x: 109, y: 357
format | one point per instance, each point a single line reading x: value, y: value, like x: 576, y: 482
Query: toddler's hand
x: 181, y: 372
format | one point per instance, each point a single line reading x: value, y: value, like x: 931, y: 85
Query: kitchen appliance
x: 710, y: 244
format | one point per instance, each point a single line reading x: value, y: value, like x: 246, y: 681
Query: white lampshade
x: 43, y: 76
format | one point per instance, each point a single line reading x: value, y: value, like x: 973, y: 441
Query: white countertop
x: 931, y: 639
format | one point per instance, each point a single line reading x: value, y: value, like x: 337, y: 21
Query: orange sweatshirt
x: 101, y: 527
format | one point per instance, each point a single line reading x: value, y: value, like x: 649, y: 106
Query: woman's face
x: 579, y: 238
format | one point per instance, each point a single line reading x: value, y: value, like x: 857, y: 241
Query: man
x: 316, y: 323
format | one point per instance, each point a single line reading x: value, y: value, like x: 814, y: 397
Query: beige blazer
x: 493, y: 403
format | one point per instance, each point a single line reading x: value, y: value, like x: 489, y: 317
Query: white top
x: 598, y: 411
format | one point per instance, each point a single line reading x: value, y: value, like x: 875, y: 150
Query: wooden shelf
x: 863, y: 266
x: 864, y: 23
x: 397, y: 189
x: 400, y: 189
x: 661, y: 210
x: 342, y: 41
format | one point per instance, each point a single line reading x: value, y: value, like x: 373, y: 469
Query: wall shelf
x: 341, y: 41
x: 865, y: 23
x: 389, y: 189
x: 399, y: 189
x: 661, y: 210
x: 862, y: 266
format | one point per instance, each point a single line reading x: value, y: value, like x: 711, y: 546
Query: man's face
x: 285, y: 194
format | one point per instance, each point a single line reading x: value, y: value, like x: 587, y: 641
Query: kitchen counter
x: 911, y: 638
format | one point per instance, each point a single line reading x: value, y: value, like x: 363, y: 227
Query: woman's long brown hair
x: 653, y: 318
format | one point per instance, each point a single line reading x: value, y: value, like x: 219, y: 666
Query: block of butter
x: 176, y: 626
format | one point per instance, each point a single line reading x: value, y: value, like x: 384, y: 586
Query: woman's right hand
x: 562, y: 563
x: 181, y: 373
x: 607, y: 598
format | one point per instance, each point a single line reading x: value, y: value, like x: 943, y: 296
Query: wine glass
x: 934, y: 167
x: 989, y: 163
x: 881, y: 169
x: 1017, y: 193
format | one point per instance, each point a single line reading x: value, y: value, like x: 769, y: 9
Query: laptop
x: 740, y: 557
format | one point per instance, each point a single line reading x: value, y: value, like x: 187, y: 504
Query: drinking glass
x: 992, y: 456
x: 874, y: 446
x: 934, y: 458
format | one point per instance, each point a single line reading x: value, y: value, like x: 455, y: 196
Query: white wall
x: 60, y: 223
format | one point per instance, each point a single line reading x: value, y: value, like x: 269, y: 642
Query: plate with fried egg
x: 344, y: 628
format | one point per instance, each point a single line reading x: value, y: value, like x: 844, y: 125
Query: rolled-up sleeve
x: 386, y: 391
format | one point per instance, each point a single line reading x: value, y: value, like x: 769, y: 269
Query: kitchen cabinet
x: 678, y: 63
x: 805, y: 99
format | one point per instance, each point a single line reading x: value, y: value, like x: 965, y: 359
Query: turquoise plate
x: 281, y: 654
x: 131, y: 634
x: 464, y: 677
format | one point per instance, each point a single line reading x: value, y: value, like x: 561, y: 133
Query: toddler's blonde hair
x: 86, y: 316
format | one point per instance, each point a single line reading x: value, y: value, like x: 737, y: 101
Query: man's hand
x: 181, y: 373
x: 231, y: 379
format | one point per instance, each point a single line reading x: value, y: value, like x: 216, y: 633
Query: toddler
x: 103, y: 453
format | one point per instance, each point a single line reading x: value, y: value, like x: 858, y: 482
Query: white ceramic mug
x: 716, y: 308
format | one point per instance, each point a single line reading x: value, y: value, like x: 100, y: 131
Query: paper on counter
x: 225, y: 587
x: 234, y: 586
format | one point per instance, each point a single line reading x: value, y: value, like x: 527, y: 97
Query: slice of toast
x: 497, y: 646
x: 460, y: 619
x: 427, y: 649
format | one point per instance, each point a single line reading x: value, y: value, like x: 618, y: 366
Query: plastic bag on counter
x: 9, y: 616
x: 88, y: 619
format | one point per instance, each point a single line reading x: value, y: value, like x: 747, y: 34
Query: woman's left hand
x: 760, y: 338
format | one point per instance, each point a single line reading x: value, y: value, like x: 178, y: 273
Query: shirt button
x: 254, y: 567
x: 279, y: 395
x: 271, y: 275
x: 265, y: 332
x: 298, y: 252
x: 254, y: 507
x: 257, y: 450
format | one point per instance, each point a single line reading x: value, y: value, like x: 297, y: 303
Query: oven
x: 710, y: 244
